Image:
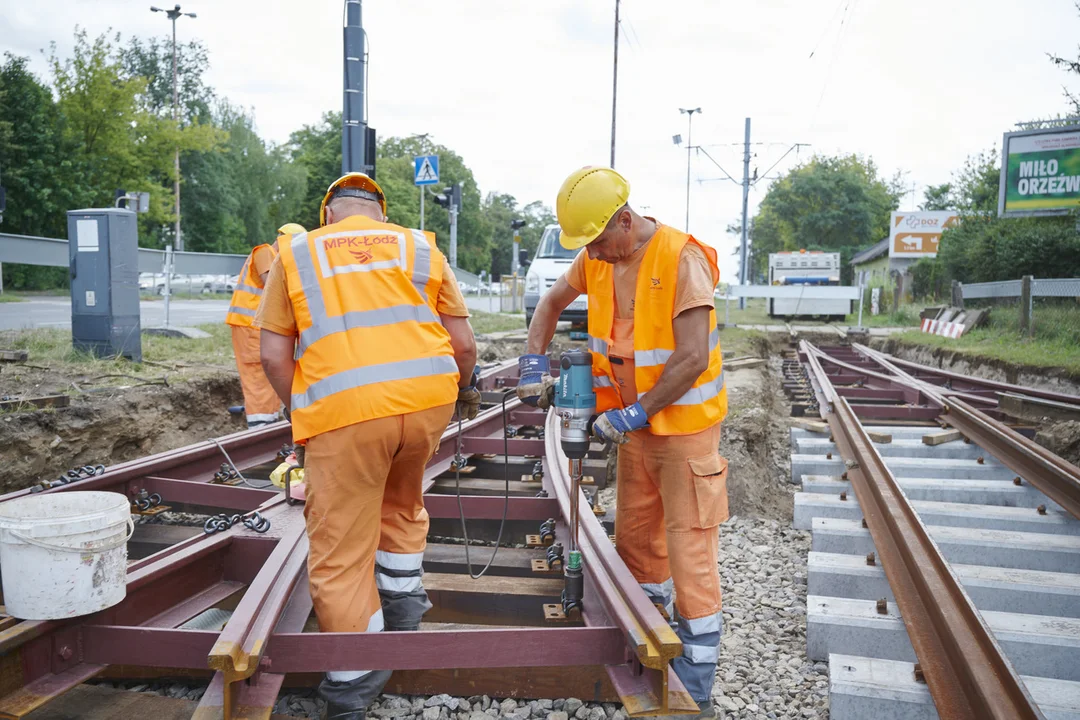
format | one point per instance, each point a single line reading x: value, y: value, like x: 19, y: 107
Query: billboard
x: 1040, y: 172
x: 917, y: 234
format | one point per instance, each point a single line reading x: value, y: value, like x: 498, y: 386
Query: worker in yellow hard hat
x: 659, y: 381
x: 366, y: 338
x: 261, y: 404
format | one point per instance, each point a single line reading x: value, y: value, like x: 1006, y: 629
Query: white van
x: 551, y: 261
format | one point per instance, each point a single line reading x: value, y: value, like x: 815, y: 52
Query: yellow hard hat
x: 291, y: 229
x: 354, y: 184
x: 587, y: 201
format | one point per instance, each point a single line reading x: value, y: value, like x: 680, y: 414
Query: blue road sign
x: 426, y: 170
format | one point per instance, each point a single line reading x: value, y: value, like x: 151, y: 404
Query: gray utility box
x: 104, y: 255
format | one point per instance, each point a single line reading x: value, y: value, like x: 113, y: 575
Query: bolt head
x: 65, y: 653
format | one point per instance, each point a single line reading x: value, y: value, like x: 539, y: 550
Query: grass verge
x: 740, y: 342
x: 485, y: 322
x: 8, y: 298
x: 51, y: 348
x: 1004, y: 346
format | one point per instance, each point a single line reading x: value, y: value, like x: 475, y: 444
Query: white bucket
x: 64, y: 554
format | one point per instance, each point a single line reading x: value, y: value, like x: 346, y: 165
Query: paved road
x: 56, y: 312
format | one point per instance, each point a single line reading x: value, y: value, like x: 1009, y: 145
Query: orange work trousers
x: 365, y: 514
x: 261, y: 403
x: 671, y: 498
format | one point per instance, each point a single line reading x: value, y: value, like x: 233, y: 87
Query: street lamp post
x: 173, y: 15
x: 689, y: 146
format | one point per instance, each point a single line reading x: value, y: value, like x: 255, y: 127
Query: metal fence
x: 1047, y: 308
x: 51, y: 252
x: 793, y: 292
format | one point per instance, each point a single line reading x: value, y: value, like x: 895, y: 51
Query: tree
x: 151, y: 59
x: 316, y: 150
x: 937, y: 197
x: 37, y: 170
x: 835, y: 204
x: 116, y: 141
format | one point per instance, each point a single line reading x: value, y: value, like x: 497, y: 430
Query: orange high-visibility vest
x: 370, y: 341
x: 705, y: 404
x: 247, y: 293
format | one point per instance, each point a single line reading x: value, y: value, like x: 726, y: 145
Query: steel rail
x: 656, y: 690
x: 1051, y: 475
x: 968, y: 675
x: 994, y: 385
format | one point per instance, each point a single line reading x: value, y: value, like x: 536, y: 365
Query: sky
x: 522, y: 90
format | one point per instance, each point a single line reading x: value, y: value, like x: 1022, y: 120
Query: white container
x: 64, y: 554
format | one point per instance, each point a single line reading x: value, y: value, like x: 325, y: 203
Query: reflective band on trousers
x: 701, y: 653
x: 375, y: 624
x: 703, y: 625
x: 371, y: 374
x: 323, y: 325
x: 698, y: 395
x: 399, y: 561
x: 241, y: 311
x: 647, y: 358
x: 397, y: 584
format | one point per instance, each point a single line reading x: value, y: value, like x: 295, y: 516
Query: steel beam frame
x: 263, y: 577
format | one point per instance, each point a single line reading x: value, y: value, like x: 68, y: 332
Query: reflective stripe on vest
x: 648, y: 358
x: 698, y: 395
x: 323, y: 324
x: 371, y: 374
x: 367, y: 348
x: 704, y: 404
x: 247, y: 293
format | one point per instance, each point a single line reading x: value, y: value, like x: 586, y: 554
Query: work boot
x: 707, y: 711
x: 340, y: 712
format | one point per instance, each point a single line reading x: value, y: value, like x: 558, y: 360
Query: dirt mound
x: 755, y: 442
x: 129, y: 424
x: 1063, y: 439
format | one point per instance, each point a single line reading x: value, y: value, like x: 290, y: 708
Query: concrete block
x: 1003, y: 589
x: 902, y: 467
x: 1035, y: 644
x: 912, y: 432
x: 988, y: 517
x: 974, y: 492
x: 969, y: 546
x: 897, y: 448
x: 862, y: 687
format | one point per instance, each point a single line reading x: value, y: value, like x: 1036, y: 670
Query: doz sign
x: 917, y: 234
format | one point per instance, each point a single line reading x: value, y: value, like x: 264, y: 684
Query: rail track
x: 502, y: 635
x: 944, y: 577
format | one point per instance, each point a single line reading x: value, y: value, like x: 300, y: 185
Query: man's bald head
x: 342, y: 207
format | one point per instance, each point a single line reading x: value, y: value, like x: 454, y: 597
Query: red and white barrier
x: 944, y: 329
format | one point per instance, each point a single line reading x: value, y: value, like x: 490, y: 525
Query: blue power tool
x: 575, y: 405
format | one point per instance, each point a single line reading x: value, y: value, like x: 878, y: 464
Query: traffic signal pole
x: 453, y: 234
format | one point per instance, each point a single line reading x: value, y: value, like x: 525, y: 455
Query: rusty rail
x: 1054, y: 477
x: 968, y: 675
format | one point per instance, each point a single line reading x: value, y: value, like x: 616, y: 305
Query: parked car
x: 552, y: 260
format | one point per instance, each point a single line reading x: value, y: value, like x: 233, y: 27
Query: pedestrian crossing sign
x: 426, y: 170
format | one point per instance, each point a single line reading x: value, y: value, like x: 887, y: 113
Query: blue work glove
x: 535, y: 387
x: 614, y: 425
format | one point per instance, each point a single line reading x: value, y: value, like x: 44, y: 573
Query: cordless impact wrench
x: 575, y: 405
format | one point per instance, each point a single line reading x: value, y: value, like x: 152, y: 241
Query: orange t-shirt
x: 262, y: 259
x: 694, y: 288
x: 275, y: 311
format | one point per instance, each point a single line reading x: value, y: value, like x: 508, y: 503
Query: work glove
x: 468, y: 402
x: 535, y: 387
x: 614, y: 425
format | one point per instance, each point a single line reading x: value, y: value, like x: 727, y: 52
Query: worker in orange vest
x: 367, y: 341
x: 261, y: 403
x: 659, y: 381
